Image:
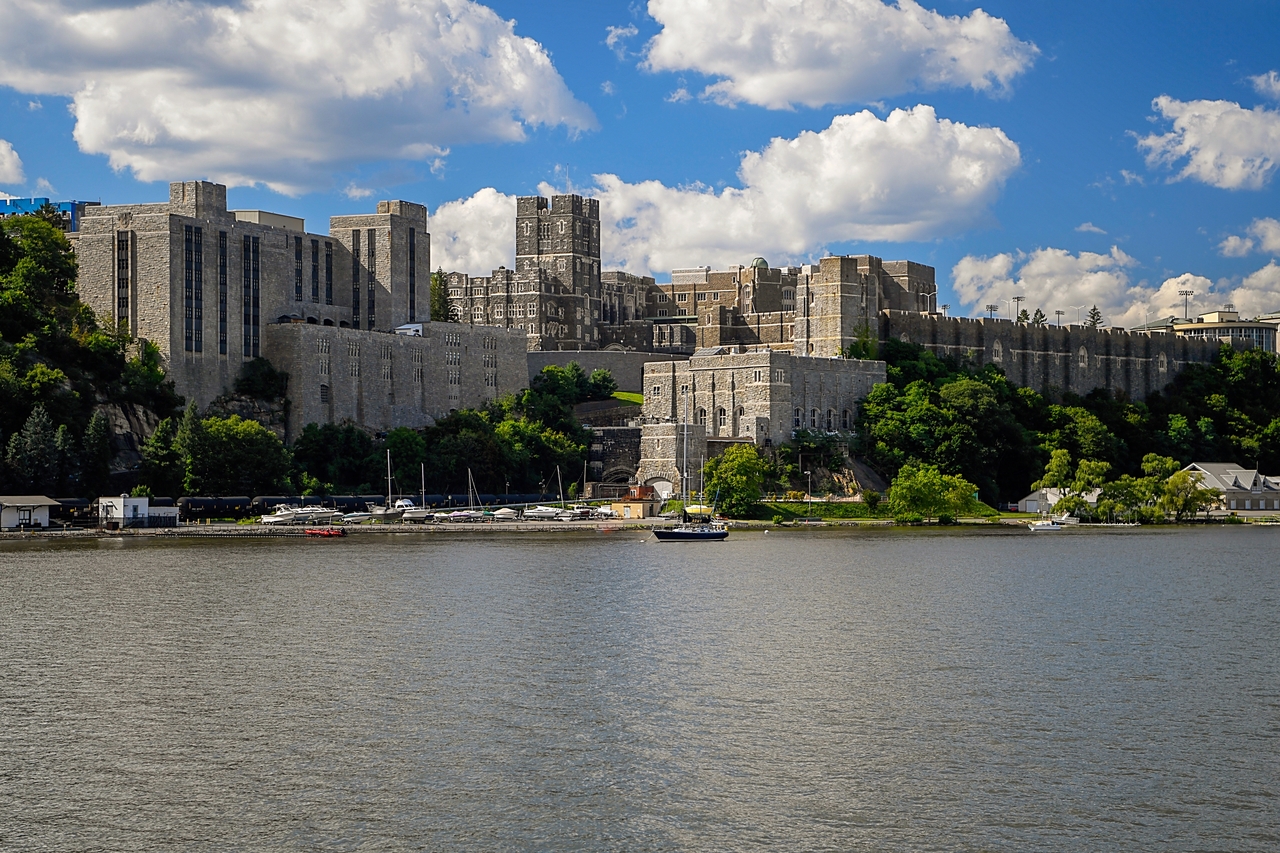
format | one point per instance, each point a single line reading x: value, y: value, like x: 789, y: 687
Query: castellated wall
x: 383, y: 381
x: 1049, y: 359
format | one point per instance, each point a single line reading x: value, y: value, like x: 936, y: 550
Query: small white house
x: 25, y: 510
x: 127, y: 511
x: 1043, y: 500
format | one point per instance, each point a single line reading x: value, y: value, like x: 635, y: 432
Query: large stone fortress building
x: 213, y: 288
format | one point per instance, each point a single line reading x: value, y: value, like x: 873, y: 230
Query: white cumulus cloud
x: 779, y: 53
x: 909, y: 176
x: 474, y: 235
x: 1223, y: 144
x: 1267, y: 85
x: 277, y: 92
x: 1089, y: 228
x: 10, y: 164
x: 1263, y: 235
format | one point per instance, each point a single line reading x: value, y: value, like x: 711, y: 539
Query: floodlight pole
x: 1186, y: 302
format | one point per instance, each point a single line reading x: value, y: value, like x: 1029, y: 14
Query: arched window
x: 813, y: 419
x: 997, y: 352
x: 722, y: 417
x: 1163, y: 363
x: 799, y: 419
x: 831, y: 419
x: 845, y: 419
x: 324, y: 393
x: 455, y: 312
x: 701, y: 416
x: 477, y: 314
x: 1084, y: 357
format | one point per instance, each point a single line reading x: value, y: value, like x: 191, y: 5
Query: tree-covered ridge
x: 58, y: 363
x: 970, y: 422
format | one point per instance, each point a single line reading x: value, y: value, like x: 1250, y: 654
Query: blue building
x: 71, y: 210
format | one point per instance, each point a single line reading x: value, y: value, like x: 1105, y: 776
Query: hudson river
x: 809, y: 690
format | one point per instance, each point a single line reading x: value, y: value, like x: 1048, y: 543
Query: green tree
x: 162, y: 468
x: 1094, y: 320
x: 734, y: 479
x: 1039, y: 319
x: 259, y: 379
x: 440, y: 298
x: 96, y: 456
x: 32, y: 453
x: 601, y: 385
x: 922, y: 491
x: 342, y: 455
x: 408, y: 453
x: 1183, y: 495
x: 1024, y: 317
x: 233, y: 456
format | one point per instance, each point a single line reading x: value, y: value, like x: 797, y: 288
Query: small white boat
x: 506, y: 514
x: 1043, y: 526
x: 356, y: 517
x: 543, y: 513
x: 284, y: 515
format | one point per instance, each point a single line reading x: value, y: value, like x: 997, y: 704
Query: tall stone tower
x: 837, y: 302
x: 558, y: 251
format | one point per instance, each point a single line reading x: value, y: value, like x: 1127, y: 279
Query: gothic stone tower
x: 562, y: 240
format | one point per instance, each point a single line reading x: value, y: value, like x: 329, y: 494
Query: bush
x: 778, y: 520
x: 909, y: 518
x: 260, y: 380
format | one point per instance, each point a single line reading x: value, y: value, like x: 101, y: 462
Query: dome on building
x: 760, y: 263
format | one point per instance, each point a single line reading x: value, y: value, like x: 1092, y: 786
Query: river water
x: 810, y: 690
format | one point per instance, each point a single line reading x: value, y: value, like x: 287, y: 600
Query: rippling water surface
x: 796, y: 691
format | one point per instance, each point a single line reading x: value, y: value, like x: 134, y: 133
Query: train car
x: 72, y: 511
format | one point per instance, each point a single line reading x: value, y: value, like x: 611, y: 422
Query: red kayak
x: 326, y: 531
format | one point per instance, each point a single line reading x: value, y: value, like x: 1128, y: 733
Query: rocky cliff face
x: 272, y: 414
x: 131, y: 425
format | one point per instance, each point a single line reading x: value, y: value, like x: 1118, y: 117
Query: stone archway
x: 618, y: 474
x: 664, y: 487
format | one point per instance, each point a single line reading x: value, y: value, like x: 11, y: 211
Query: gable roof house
x: 1242, y: 488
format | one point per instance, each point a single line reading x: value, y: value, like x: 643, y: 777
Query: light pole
x: 1186, y: 301
x: 809, y: 495
x: 1017, y: 301
x: 1079, y: 308
x: 1058, y: 314
x: 991, y: 311
x: 944, y: 308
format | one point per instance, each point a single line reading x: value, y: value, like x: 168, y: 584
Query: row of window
x: 818, y: 421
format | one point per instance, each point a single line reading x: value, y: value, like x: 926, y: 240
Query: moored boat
x: 692, y: 533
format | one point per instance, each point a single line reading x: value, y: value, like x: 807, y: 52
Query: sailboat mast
x: 388, y: 479
x: 684, y: 471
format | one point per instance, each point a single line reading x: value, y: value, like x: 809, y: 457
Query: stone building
x: 726, y: 395
x: 1075, y: 359
x: 213, y: 288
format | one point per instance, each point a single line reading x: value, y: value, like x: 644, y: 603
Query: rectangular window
x: 188, y: 287
x: 222, y: 292
x: 662, y: 312
x: 198, y: 290
x: 123, y: 275
x: 759, y: 376
x: 680, y: 297
x: 413, y: 274
x: 702, y: 297
x: 715, y: 297
x: 315, y: 271
x: 297, y: 269
x: 328, y: 273
x: 256, y: 267
x: 355, y: 278
x: 371, y: 263
x: 657, y: 390
x: 246, y: 293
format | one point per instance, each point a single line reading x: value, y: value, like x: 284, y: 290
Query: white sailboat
x: 386, y: 512
x: 420, y: 513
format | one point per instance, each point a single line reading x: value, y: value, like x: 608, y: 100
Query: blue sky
x: 1017, y: 149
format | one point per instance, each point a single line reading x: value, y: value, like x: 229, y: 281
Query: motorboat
x: 1044, y: 526
x: 284, y: 515
x: 316, y: 514
x: 409, y: 512
x: 542, y: 513
x: 356, y: 517
x: 506, y: 514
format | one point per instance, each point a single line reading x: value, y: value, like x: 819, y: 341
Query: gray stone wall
x: 613, y: 454
x: 1073, y: 359
x: 381, y: 381
x: 760, y: 396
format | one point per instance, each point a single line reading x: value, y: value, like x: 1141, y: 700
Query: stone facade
x: 1075, y: 359
x: 202, y: 282
x: 613, y: 454
x: 385, y: 381
x: 556, y: 295
x: 725, y: 394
